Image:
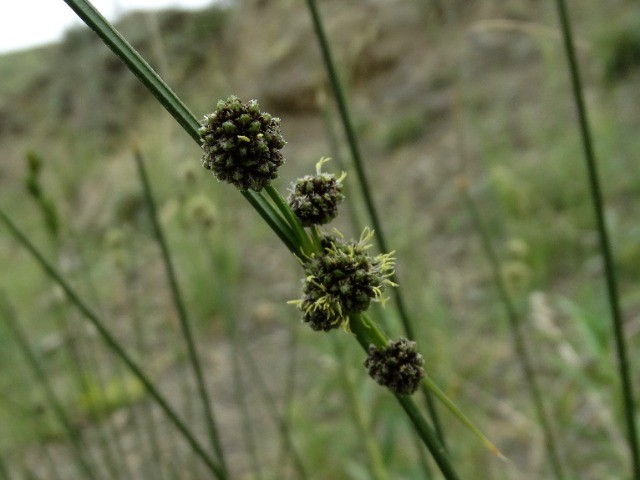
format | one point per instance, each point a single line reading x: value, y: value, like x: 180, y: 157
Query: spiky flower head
x: 398, y: 366
x: 315, y: 198
x: 241, y: 144
x: 342, y: 279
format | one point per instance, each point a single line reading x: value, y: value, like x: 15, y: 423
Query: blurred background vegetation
x: 440, y: 91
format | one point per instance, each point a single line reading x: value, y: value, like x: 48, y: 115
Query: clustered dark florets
x: 341, y: 280
x: 399, y: 366
x: 241, y: 144
x: 315, y: 198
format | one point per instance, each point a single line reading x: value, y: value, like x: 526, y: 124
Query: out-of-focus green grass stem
x: 52, y: 399
x: 112, y: 343
x: 376, y: 464
x: 603, y: 235
x: 4, y: 471
x: 368, y: 334
x: 363, y: 183
x: 520, y: 346
x: 185, y: 326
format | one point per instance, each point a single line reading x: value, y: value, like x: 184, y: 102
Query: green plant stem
x: 113, y: 344
x: 4, y: 471
x: 346, y: 120
x: 45, y: 451
x: 428, y: 436
x: 423, y: 460
x: 289, y: 388
x: 334, y: 149
x: 116, y: 42
x: 357, y: 226
x: 189, y: 123
x: 376, y: 463
x: 364, y: 187
x: 140, y: 345
x: 518, y: 338
x: 52, y: 399
x: 294, y: 223
x: 316, y: 236
x: 159, y: 89
x: 109, y: 434
x: 273, y: 219
x: 241, y: 398
x: 368, y: 334
x: 605, y: 248
x: 64, y: 325
x: 185, y: 326
x: 221, y: 277
x: 283, y: 425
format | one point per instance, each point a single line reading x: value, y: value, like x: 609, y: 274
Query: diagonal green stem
x: 364, y: 185
x: 52, y: 399
x: 367, y: 334
x: 273, y: 219
x: 185, y: 326
x: 294, y: 223
x: 112, y: 38
x: 131, y: 287
x: 111, y: 443
x: 605, y: 247
x: 158, y: 88
x: 531, y: 379
x: 113, y: 344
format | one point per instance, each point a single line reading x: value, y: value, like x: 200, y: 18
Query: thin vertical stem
x: 212, y: 430
x: 289, y: 387
x: 4, y: 470
x: 605, y: 248
x: 364, y: 187
x: 517, y: 335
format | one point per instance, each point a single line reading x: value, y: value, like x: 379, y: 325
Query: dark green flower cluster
x: 341, y: 280
x: 399, y: 366
x: 315, y: 198
x: 241, y: 144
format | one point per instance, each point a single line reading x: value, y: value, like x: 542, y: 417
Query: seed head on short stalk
x: 342, y: 279
x: 315, y: 198
x: 398, y: 366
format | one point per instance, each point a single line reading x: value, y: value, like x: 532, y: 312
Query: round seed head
x: 399, y: 366
x: 315, y: 198
x: 341, y: 280
x: 241, y: 145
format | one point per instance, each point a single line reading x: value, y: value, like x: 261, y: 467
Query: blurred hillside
x: 439, y: 91
x: 475, y: 88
